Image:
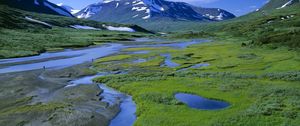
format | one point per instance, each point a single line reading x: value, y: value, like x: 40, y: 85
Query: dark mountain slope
x: 40, y: 6
x: 24, y: 33
x: 273, y: 27
x: 278, y: 4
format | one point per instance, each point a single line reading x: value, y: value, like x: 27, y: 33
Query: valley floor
x: 261, y: 84
x: 252, y: 63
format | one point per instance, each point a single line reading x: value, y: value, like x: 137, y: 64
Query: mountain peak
x: 129, y: 11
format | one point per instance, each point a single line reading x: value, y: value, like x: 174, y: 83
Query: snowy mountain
x: 89, y: 11
x: 132, y: 11
x: 40, y: 6
x: 68, y: 8
x: 215, y: 14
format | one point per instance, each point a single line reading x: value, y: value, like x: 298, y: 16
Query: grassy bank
x: 261, y: 84
x: 20, y: 37
x: 21, y: 42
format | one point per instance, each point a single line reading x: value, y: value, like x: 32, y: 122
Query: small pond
x: 197, y: 102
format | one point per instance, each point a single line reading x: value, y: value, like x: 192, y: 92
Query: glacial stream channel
x: 67, y: 58
x: 126, y: 116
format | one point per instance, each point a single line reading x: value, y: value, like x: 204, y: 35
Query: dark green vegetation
x: 24, y: 42
x: 274, y: 27
x: 273, y: 4
x: 269, y: 26
x: 19, y: 37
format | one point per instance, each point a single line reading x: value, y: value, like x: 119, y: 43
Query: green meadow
x: 253, y: 63
x: 261, y: 84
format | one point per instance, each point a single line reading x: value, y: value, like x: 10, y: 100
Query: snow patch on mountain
x: 84, y: 27
x: 149, y: 14
x: 108, y: 1
x: 139, y: 5
x: 135, y: 16
x: 286, y: 4
x: 153, y: 5
x: 219, y: 17
x: 135, y: 3
x: 125, y: 29
x: 139, y: 8
x: 68, y: 8
x: 74, y: 11
x: 38, y: 22
x: 91, y: 10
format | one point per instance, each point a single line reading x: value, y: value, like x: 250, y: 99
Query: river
x: 69, y: 57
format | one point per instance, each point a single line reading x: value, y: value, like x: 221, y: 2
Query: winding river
x: 72, y: 57
x: 67, y: 58
x: 126, y: 116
